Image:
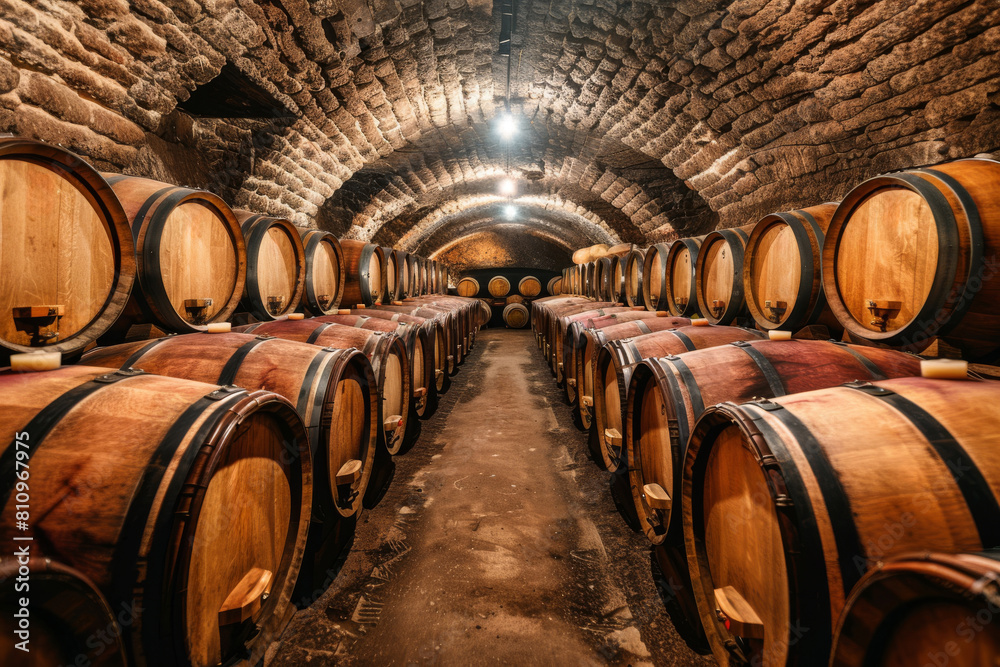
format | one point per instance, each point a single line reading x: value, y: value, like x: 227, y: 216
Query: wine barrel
x: 914, y: 609
x: 468, y: 287
x: 786, y: 503
x: 590, y: 253
x: 332, y: 390
x: 655, y: 294
x: 616, y: 361
x: 554, y: 286
x: 391, y: 272
x: 550, y: 314
x: 682, y: 295
x: 498, y: 286
x: 572, y: 337
x: 561, y: 324
x: 633, y: 264
x: 437, y: 335
x: 134, y: 478
x: 719, y: 275
x: 602, y: 279
x: 529, y: 286
x: 515, y: 315
x: 191, y: 261
x: 782, y: 270
x: 276, y: 266
x: 67, y: 617
x: 443, y: 289
x: 67, y: 260
x: 667, y: 395
x: 458, y: 319
x: 364, y: 264
x: 514, y: 298
x: 601, y: 330
x: 324, y: 284
x: 385, y: 350
x: 911, y: 255
x: 414, y: 273
x: 450, y: 334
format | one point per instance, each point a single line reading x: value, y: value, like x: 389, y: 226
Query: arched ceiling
x: 639, y: 121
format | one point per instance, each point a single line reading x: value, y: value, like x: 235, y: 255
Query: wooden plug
x: 246, y: 598
x: 777, y: 334
x: 638, y: 308
x: 420, y: 392
x: 613, y: 437
x: 35, y: 361
x: 392, y: 423
x: 587, y: 401
x: 397, y: 303
x: 661, y: 313
x: 360, y: 306
x: 700, y: 322
x: 738, y: 615
x: 657, y: 497
x: 219, y: 327
x: 344, y: 311
x: 349, y: 473
x: 296, y: 316
x: 947, y: 369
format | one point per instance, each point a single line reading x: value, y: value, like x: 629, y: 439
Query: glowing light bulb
x: 510, y: 212
x: 507, y: 187
x: 507, y: 126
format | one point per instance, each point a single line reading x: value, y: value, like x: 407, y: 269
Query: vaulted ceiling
x: 376, y: 119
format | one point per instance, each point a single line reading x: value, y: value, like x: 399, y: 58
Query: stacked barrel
x: 511, y: 296
x: 820, y: 493
x: 131, y: 462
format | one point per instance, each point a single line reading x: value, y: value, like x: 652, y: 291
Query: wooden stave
x: 68, y: 596
x: 873, y: 608
x: 976, y: 228
x: 534, y: 287
x: 656, y: 259
x: 207, y: 413
x: 736, y: 239
x: 560, y: 324
x: 443, y: 334
x: 143, y: 201
x: 623, y: 355
x: 809, y: 227
x: 815, y: 601
x: 450, y: 324
x: 602, y: 282
x: 617, y: 279
x: 678, y: 379
x: 575, y: 326
x: 357, y: 278
x: 548, y: 313
x: 376, y: 345
x: 304, y: 374
x: 508, y: 314
x: 414, y: 273
x: 693, y: 247
x: 254, y: 227
x: 99, y: 192
x: 634, y: 263
x: 312, y: 239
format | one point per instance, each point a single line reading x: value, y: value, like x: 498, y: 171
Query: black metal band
x: 232, y: 366
x: 690, y: 383
x: 688, y: 343
x: 767, y: 369
x: 316, y: 333
x: 141, y: 352
x: 869, y: 365
x: 642, y: 326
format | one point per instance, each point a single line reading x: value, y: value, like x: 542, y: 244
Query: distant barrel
x: 324, y: 284
x: 276, y: 265
x: 364, y: 264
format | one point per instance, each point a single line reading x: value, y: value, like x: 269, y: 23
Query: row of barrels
x: 815, y: 502
x: 903, y: 259
x: 499, y: 287
x: 198, y: 482
x: 86, y: 255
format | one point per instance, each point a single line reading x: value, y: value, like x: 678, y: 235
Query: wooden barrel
x: 592, y: 338
x: 67, y: 616
x: 498, y: 286
x: 786, y: 503
x: 364, y: 264
x: 442, y: 336
x: 529, y: 286
x: 67, y: 261
x: 682, y: 295
x: 515, y: 315
x: 667, y: 395
x: 425, y: 276
x: 402, y: 275
x: 468, y: 287
x: 923, y: 608
x: 632, y: 281
x: 515, y: 298
x: 443, y: 284
x: 564, y: 317
x: 324, y: 284
x: 191, y: 260
x: 332, y: 390
x: 719, y: 275
x: 572, y: 328
x: 391, y: 272
x: 449, y: 321
x: 911, y: 255
x: 414, y: 273
x: 782, y: 270
x: 602, y: 279
x: 276, y: 266
x: 554, y: 286
x: 143, y: 472
x: 654, y: 278
x: 549, y: 315
x: 385, y: 350
x: 616, y: 361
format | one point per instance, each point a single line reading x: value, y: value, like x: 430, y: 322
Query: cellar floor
x: 498, y: 542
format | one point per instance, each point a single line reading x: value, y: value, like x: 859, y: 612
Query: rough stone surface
x: 376, y: 119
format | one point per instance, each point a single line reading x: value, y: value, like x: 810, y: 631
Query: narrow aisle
x: 500, y: 545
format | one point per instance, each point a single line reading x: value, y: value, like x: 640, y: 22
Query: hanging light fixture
x: 507, y: 187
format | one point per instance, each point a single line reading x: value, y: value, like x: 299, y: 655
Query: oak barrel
x: 468, y: 287
x: 276, y: 265
x: 667, y: 395
x: 563, y: 339
x: 923, y: 608
x: 682, y: 293
x: 783, y: 270
x: 391, y: 276
x: 572, y: 339
x: 333, y: 391
x: 67, y: 616
x: 654, y: 294
x: 554, y: 286
x: 364, y: 264
x: 529, y: 286
x: 133, y: 481
x: 515, y: 315
x: 719, y: 275
x: 616, y: 361
x: 787, y: 502
x: 191, y: 260
x: 632, y: 281
x: 324, y: 285
x: 498, y: 286
x: 67, y: 260
x: 912, y: 255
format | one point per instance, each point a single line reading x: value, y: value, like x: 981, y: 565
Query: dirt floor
x: 498, y: 542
